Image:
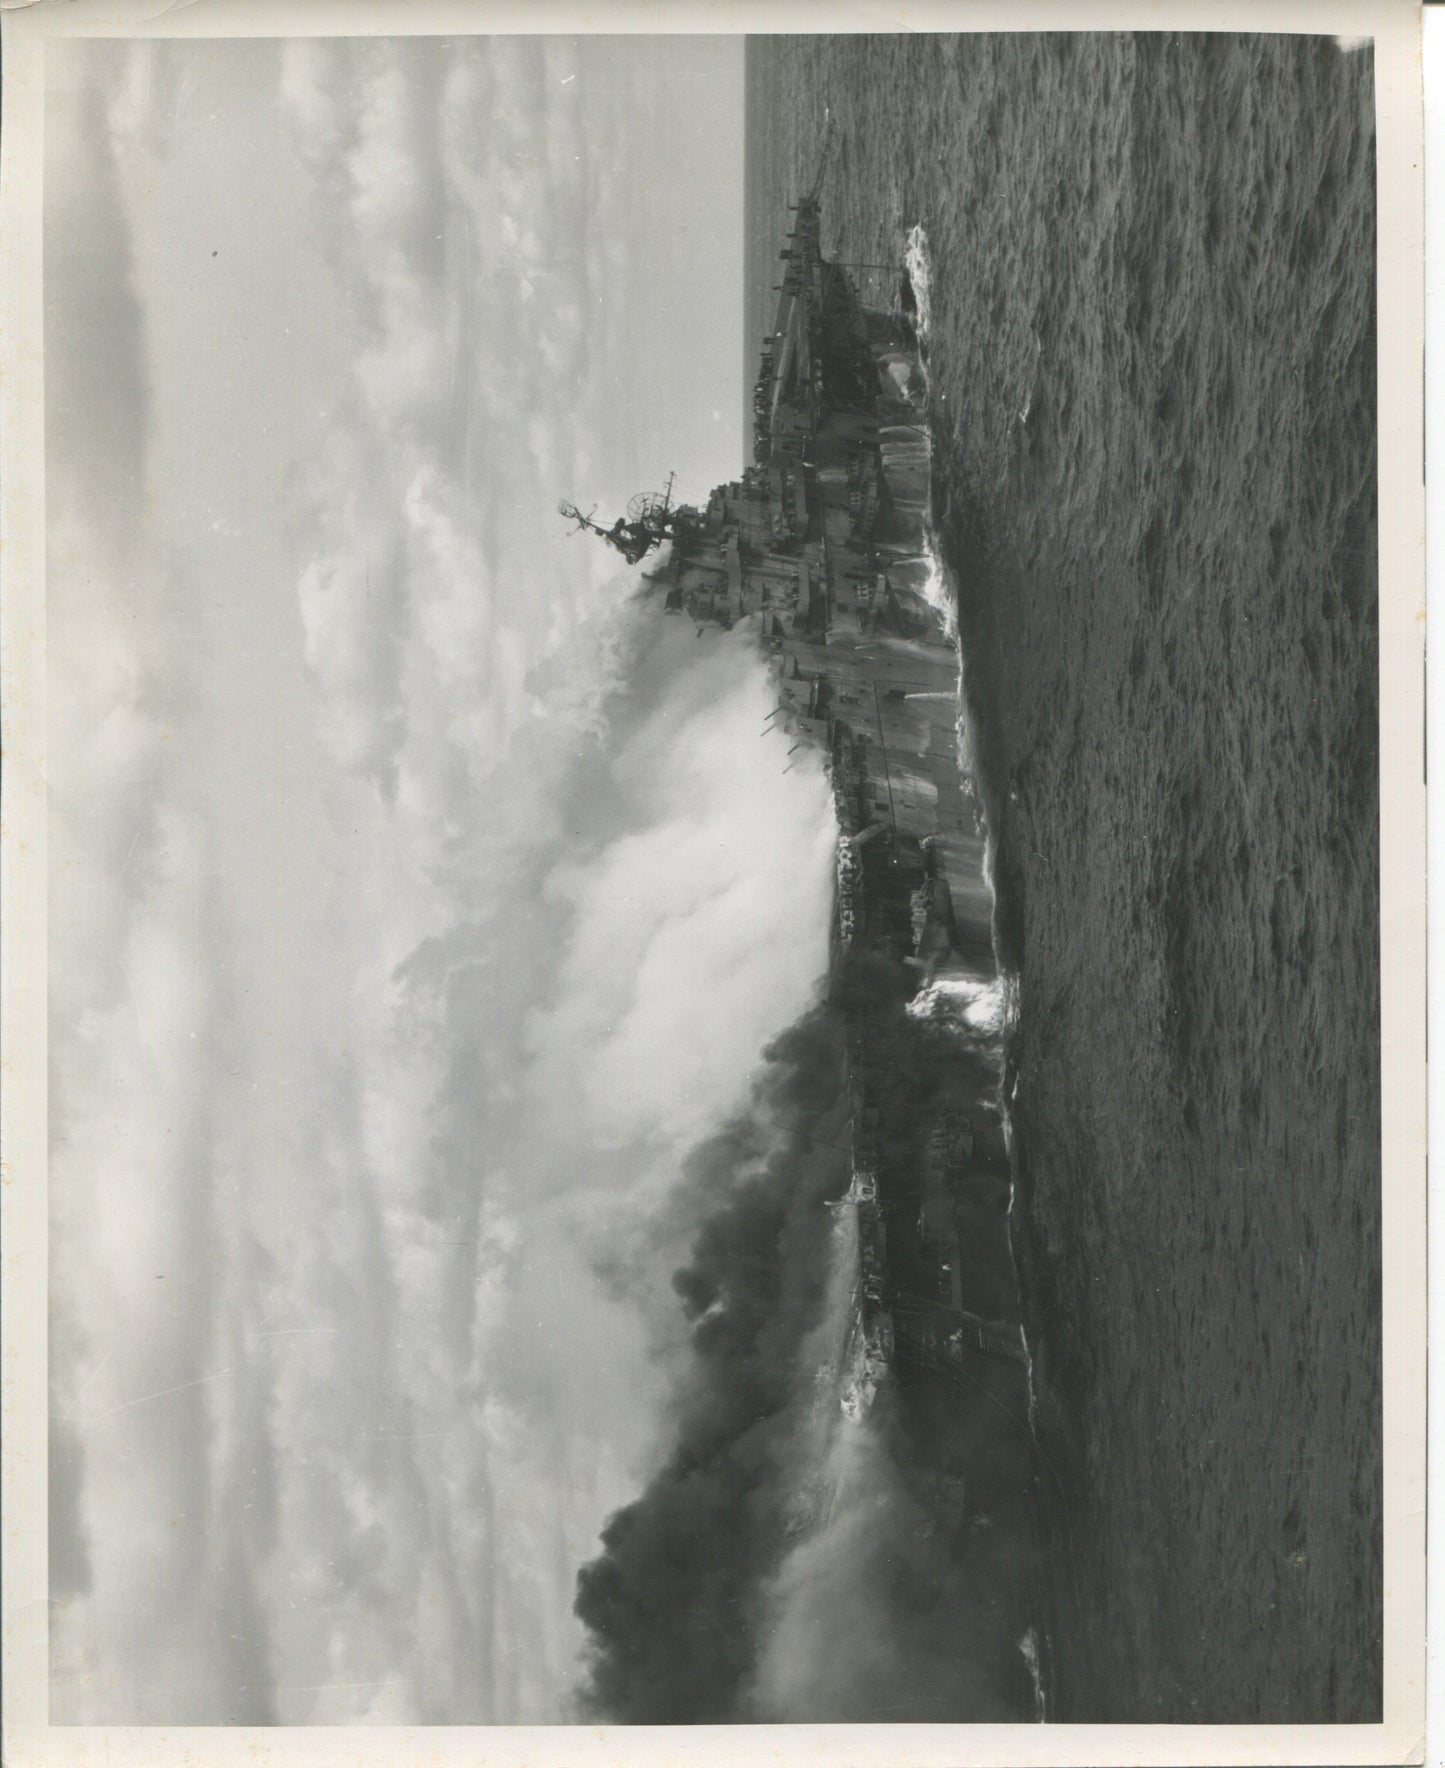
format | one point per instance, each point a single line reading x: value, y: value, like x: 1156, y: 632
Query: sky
x: 419, y: 896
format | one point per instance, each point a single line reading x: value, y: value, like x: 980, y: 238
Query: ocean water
x: 1151, y: 351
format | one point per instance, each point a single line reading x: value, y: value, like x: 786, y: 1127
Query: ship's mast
x: 650, y: 520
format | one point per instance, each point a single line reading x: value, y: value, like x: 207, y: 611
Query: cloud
x: 428, y: 203
x: 128, y: 885
x: 134, y: 1172
x: 96, y: 387
x: 367, y: 1088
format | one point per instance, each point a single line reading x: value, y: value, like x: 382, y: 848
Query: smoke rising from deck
x: 792, y: 1560
x: 868, y: 1618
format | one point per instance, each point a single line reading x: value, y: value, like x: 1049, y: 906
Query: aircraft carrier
x: 821, y: 543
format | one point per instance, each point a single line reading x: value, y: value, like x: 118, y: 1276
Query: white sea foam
x: 1029, y: 1647
x: 936, y: 589
x: 916, y: 262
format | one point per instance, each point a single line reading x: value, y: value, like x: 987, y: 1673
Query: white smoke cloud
x: 669, y: 985
x: 825, y: 1624
x: 868, y: 1616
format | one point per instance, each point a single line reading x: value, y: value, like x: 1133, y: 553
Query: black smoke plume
x: 673, y: 1602
x: 908, y: 1594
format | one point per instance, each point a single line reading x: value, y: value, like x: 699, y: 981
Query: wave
x: 920, y: 275
x: 937, y: 587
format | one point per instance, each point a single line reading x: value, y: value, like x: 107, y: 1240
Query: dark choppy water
x: 1153, y: 370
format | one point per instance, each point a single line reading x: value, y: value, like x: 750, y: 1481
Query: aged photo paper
x: 714, y: 883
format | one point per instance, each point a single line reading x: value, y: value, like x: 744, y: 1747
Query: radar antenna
x: 572, y: 514
x: 652, y: 506
x: 650, y: 519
